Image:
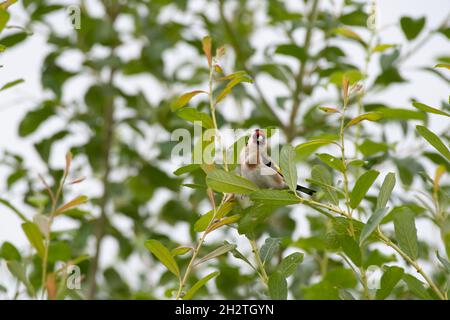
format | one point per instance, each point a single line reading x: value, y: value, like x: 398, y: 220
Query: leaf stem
x: 262, y: 271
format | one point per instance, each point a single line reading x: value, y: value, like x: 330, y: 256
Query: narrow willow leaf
x: 290, y: 263
x: 14, y: 209
x: 34, y: 236
x: 406, y: 232
x: 223, y: 181
x: 372, y: 223
x: 163, y: 255
x: 225, y: 209
x: 443, y: 65
x: 332, y: 161
x: 193, y: 115
x: 227, y: 90
x: 313, y: 143
x: 225, y: 221
x: 288, y: 167
x: 72, y: 204
x: 184, y: 99
x: 269, y: 248
x: 200, y: 283
x: 434, y: 140
x: 347, y: 33
x: 277, y: 286
x: 385, y: 190
x: 445, y: 263
x: 12, y: 84
x: 426, y: 108
x: 382, y: 47
x: 322, y: 175
x: 391, y: 276
x: 417, y: 287
x: 18, y: 271
x: 361, y: 187
x: 274, y: 197
x: 370, y: 116
x: 238, y: 255
x: 202, y: 223
x: 4, y: 17
x: 179, y: 251
x: 186, y: 169
x: 217, y: 252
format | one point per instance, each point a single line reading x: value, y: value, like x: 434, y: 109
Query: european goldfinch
x: 258, y: 167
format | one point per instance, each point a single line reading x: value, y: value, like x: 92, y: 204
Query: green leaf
x: 290, y: 263
x: 372, y: 223
x: 292, y: 50
x: 399, y: 114
x: 217, y: 252
x: 370, y: 116
x: 361, y: 187
x: 347, y: 33
x: 274, y: 197
x: 416, y: 286
x: 14, y: 209
x: 288, y: 168
x: 331, y: 161
x: 200, y: 283
x: 426, y: 108
x: 235, y: 81
x: 71, y: 204
x: 434, y: 140
x: 277, y: 286
x: 406, y: 232
x: 382, y: 47
x: 391, y: 276
x: 443, y: 65
x: 179, y: 251
x: 321, y: 175
x: 193, y: 115
x: 313, y: 144
x: 4, y: 17
x: 34, y: 236
x: 163, y: 255
x: 184, y: 99
x: 9, y: 252
x: 268, y: 249
x: 223, y: 181
x: 186, y: 169
x: 35, y: 118
x: 445, y: 263
x: 412, y: 27
x: 12, y: 84
x: 385, y: 190
x: 351, y: 249
x: 18, y: 271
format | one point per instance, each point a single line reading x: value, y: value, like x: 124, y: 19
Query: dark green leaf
x: 290, y: 263
x: 385, y: 190
x: 391, y: 276
x: 372, y: 223
x: 163, y: 255
x: 288, y: 168
x: 406, y: 232
x: 412, y: 27
x: 277, y: 286
x: 200, y: 283
x: 434, y: 140
x: 361, y: 187
x: 223, y: 181
x: 268, y: 249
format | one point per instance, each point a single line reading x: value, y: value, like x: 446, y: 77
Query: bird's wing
x: 271, y: 164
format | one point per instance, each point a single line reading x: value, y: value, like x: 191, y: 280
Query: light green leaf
x: 426, y: 108
x: 417, y: 287
x: 434, y: 140
x: 223, y: 181
x: 274, y: 197
x: 322, y: 176
x: 235, y: 81
x: 193, y: 115
x: 9, y: 252
x: 34, y: 236
x: 372, y: 223
x: 313, y: 143
x: 217, y: 252
x: 361, y: 187
x: 331, y: 161
x: 163, y: 255
x: 370, y: 116
x: 12, y: 84
x: 347, y: 33
x: 200, y: 283
x: 443, y: 65
x: 184, y: 99
x: 391, y: 276
x: 268, y: 249
x: 18, y: 271
x: 277, y: 286
x: 290, y: 263
x: 288, y: 168
x: 382, y: 47
x: 4, y: 17
x: 179, y: 251
x: 406, y: 232
x: 445, y: 263
x: 385, y: 190
x: 72, y: 204
x: 186, y: 169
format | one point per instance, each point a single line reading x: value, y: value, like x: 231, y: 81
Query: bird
x: 257, y: 166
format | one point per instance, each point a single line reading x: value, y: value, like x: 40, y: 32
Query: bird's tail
x: 305, y: 190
